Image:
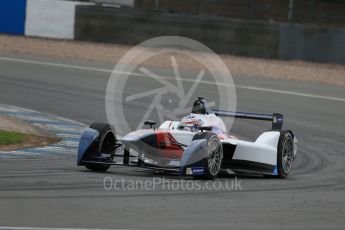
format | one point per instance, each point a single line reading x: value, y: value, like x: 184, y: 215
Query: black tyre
x: 285, y: 153
x: 214, y: 154
x: 104, y: 144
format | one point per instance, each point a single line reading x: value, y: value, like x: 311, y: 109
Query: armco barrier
x: 12, y: 16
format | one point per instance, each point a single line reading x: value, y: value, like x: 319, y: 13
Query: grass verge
x: 11, y: 138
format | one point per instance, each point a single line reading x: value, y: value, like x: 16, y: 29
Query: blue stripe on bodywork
x: 88, y: 136
x: 194, y: 155
x: 275, y: 171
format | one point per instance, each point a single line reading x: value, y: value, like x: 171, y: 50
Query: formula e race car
x: 197, y: 145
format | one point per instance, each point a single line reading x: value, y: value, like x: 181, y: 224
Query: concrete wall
x: 312, y: 43
x: 132, y: 27
x: 12, y: 16
x: 62, y: 19
x: 50, y: 18
x: 247, y: 38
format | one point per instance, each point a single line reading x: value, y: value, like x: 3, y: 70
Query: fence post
x: 290, y: 13
x: 157, y: 4
x: 197, y: 5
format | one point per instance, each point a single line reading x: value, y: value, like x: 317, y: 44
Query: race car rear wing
x: 276, y: 118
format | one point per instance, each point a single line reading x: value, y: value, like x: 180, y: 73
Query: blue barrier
x: 12, y: 16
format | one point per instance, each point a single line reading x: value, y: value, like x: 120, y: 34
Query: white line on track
x: 55, y: 64
x: 143, y: 75
x: 33, y: 228
x: 291, y: 93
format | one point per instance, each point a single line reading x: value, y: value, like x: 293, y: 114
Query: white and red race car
x: 198, y: 145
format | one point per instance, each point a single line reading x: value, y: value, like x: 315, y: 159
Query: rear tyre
x: 103, y: 148
x: 285, y: 153
x: 214, y: 155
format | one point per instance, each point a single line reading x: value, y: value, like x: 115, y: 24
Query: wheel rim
x: 287, y: 155
x: 214, y: 157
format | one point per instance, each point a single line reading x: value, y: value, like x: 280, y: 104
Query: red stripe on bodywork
x: 167, y: 145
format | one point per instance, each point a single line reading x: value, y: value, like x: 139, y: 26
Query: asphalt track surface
x: 53, y: 192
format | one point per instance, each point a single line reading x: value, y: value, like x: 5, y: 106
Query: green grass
x: 11, y: 138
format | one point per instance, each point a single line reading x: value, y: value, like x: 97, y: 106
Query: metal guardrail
x: 127, y: 3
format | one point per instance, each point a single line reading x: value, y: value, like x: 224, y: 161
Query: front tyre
x: 285, y: 153
x: 103, y: 148
x: 214, y: 154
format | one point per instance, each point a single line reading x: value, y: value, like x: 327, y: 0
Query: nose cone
x: 137, y: 135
